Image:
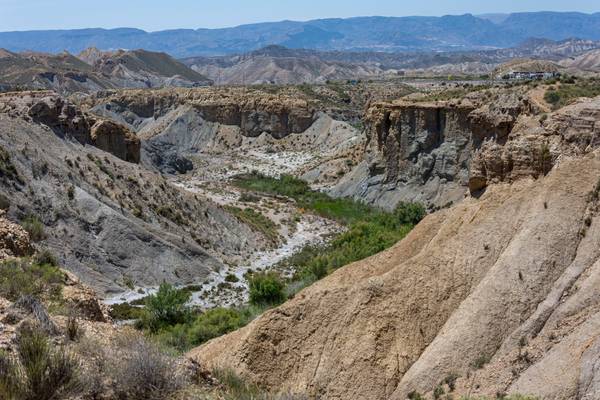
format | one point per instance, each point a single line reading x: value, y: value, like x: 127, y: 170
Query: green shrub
x: 46, y: 257
x: 23, y: 277
x: 32, y: 224
x: 206, y: 326
x: 39, y: 372
x: 571, y: 90
x: 266, y: 288
x: 167, y: 307
x: 125, y: 312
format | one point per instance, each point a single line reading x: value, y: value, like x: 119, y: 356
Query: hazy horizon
x: 153, y: 15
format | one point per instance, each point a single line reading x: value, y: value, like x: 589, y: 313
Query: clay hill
x: 497, y: 294
x: 93, y: 70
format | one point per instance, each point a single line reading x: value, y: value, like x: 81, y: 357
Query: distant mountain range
x: 94, y: 70
x: 390, y: 34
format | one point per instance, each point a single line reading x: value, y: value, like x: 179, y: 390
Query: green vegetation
x: 32, y: 224
x: 38, y: 372
x: 370, y: 230
x: 168, y: 318
x: 22, y: 277
x: 236, y: 388
x: 257, y: 221
x: 266, y: 288
x: 570, y: 90
x: 166, y: 308
x: 344, y: 210
x: 206, y: 326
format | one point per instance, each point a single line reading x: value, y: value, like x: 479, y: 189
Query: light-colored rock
x: 509, y: 277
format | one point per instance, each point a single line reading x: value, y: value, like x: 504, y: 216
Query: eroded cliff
x: 422, y: 151
x: 497, y: 294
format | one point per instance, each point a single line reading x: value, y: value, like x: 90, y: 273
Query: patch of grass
x: 257, y: 221
x: 343, y: 210
x: 566, y: 93
x: 34, y: 226
x: 22, y: 277
x: 480, y: 362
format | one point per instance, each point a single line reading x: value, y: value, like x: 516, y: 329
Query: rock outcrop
x: 65, y: 119
x: 536, y: 143
x: 254, y: 112
x: 14, y: 240
x: 497, y: 294
x: 421, y: 151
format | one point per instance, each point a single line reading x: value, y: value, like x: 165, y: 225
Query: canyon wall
x: 422, y: 151
x: 497, y: 294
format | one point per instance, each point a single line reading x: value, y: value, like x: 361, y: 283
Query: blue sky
x: 154, y: 15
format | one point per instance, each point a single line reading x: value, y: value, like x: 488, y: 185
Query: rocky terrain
x: 495, y: 295
x: 94, y: 70
x: 112, y: 222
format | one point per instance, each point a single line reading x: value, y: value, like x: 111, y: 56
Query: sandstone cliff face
x: 65, y: 119
x: 254, y: 112
x: 535, y: 145
x: 174, y: 124
x: 422, y: 151
x: 500, y: 291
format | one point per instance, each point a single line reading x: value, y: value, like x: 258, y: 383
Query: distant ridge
x: 390, y: 34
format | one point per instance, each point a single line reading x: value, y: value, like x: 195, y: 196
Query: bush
x: 125, y: 311
x: 166, y: 308
x: 40, y: 373
x: 8, y: 172
x: 144, y: 372
x: 266, y: 288
x: 23, y: 277
x: 32, y: 224
x: 46, y: 257
x: 206, y: 326
x: 73, y: 330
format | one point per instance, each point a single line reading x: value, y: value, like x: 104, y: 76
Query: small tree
x: 167, y: 307
x: 266, y: 288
